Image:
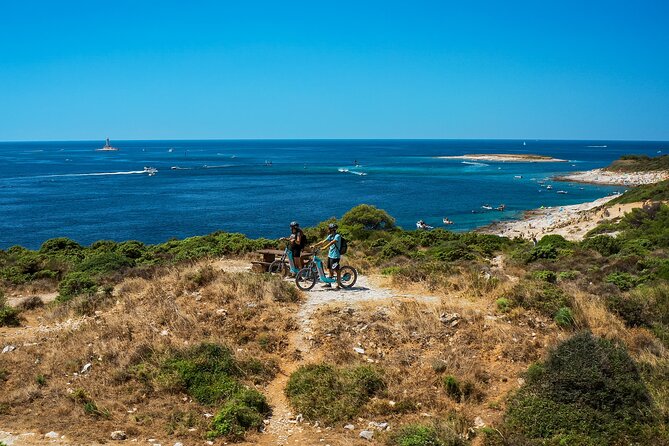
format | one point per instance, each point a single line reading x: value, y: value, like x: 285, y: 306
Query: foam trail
x: 472, y: 163
x: 94, y: 174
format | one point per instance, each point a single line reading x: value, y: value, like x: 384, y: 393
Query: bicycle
x: 280, y: 267
x: 313, y: 272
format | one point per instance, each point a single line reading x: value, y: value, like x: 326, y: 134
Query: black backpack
x: 303, y: 240
x: 343, y: 245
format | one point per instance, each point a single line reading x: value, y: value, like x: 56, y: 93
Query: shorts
x: 333, y: 264
x: 297, y: 252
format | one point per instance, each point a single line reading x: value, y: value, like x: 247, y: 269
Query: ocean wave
x: 597, y: 146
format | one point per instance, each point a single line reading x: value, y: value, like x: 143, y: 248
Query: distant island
x: 506, y: 157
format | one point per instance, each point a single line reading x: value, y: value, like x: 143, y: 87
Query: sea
x: 257, y: 187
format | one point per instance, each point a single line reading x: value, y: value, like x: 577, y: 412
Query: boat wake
x: 473, y: 163
x: 96, y: 174
x: 597, y: 146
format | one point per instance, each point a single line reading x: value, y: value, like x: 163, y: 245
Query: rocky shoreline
x: 601, y: 176
x: 506, y: 157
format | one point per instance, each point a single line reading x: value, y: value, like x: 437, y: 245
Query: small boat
x: 501, y: 207
x: 171, y: 150
x: 549, y: 187
x: 447, y: 221
x: 562, y: 192
x: 518, y: 177
x: 524, y: 143
x: 342, y: 170
x: 358, y: 173
x: 107, y: 147
x: 420, y: 224
x: 487, y: 207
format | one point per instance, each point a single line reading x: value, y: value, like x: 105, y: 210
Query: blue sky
x: 345, y: 69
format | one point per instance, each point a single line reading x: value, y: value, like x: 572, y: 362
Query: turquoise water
x: 54, y: 189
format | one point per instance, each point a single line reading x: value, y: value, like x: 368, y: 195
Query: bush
x: 587, y: 392
x: 457, y: 390
x: 369, y: 217
x: 324, y: 393
x: 547, y: 252
x: 603, y: 244
x: 544, y: 297
x: 245, y: 410
x: 105, y: 262
x: 503, y: 304
x: 624, y: 281
x: 422, y: 435
x: 75, y: 283
x: 563, y: 318
x: 567, y: 275
x: 556, y: 241
x: 9, y: 317
x: 451, y: 251
x: 545, y: 275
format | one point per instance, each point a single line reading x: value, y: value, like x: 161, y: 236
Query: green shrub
x: 564, y: 318
x: 545, y: 275
x: 390, y: 270
x: 547, y: 252
x: 503, y: 304
x: 369, y: 217
x: 603, y: 244
x: 62, y: 247
x: 587, y: 392
x: 451, y: 251
x: 457, y: 390
x: 567, y: 275
x: 624, y: 281
x: 9, y: 316
x: 104, y: 262
x: 544, y: 297
x: 556, y: 241
x: 328, y: 394
x: 75, y: 283
x: 423, y: 435
x: 245, y: 410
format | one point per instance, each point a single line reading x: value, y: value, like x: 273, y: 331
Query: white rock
x: 367, y: 435
x: 118, y: 435
x: 479, y: 423
x: 8, y: 348
x: 378, y: 426
x: 164, y: 333
x: 349, y: 427
x: 299, y: 418
x: 86, y: 368
x: 178, y: 444
x: 51, y: 434
x: 359, y: 350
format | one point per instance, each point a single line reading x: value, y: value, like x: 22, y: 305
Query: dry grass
x: 142, y: 319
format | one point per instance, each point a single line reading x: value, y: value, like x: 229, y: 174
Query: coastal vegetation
x: 487, y: 340
x: 639, y: 163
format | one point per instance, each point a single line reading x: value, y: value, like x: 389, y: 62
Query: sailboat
x: 107, y: 147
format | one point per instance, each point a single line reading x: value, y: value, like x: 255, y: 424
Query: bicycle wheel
x: 347, y: 276
x: 278, y: 267
x: 305, y: 279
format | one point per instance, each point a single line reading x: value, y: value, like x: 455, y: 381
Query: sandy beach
x: 572, y: 222
x: 601, y: 176
x: 504, y: 157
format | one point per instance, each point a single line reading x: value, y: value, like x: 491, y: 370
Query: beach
x: 506, y: 157
x: 572, y: 222
x: 601, y: 176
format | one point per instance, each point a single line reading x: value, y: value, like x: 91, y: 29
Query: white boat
x: 357, y: 173
x: 107, y: 147
x: 342, y: 170
x: 487, y: 207
x: 447, y: 221
x: 150, y: 170
x: 420, y: 224
x: 501, y: 207
x: 518, y: 177
x: 562, y: 192
x: 549, y: 187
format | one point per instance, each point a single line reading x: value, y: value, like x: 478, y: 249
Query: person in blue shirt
x: 333, y: 242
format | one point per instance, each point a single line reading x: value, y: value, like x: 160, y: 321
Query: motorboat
x: 150, y: 170
x: 549, y: 187
x: 487, y: 207
x: 518, y: 177
x: 562, y: 192
x: 420, y: 224
x: 342, y: 170
x: 501, y: 207
x: 447, y: 221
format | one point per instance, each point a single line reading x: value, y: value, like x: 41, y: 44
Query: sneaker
x: 327, y: 285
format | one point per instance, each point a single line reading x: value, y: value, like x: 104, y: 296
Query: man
x: 333, y: 242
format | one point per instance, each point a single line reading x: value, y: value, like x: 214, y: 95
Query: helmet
x: 332, y: 226
x: 294, y: 224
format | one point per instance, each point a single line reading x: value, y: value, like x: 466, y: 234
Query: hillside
x: 447, y: 339
x: 639, y: 163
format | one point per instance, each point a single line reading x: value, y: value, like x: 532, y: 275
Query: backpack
x: 303, y: 240
x: 343, y: 245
